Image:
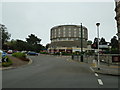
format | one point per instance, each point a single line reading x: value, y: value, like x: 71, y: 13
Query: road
x: 56, y: 72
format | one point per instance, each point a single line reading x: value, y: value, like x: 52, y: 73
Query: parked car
x: 10, y: 51
x: 2, y: 55
x: 32, y: 53
x: 23, y: 51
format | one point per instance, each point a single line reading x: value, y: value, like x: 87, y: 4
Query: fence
x: 106, y: 58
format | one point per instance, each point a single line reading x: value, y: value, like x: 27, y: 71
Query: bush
x: 19, y: 55
x: 8, y: 63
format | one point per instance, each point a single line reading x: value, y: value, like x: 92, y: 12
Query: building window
x: 69, y: 32
x: 58, y: 32
x: 79, y: 32
x: 83, y: 33
x: 64, y: 28
x: 75, y: 32
x: 63, y: 32
x: 55, y: 33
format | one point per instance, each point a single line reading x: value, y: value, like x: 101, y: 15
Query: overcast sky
x: 25, y: 18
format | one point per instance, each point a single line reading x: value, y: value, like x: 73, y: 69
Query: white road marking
x: 96, y: 74
x: 91, y: 69
x: 100, y: 82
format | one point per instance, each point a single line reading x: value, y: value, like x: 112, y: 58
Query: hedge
x: 19, y: 55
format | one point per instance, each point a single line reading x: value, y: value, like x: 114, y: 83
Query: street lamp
x: 98, y: 24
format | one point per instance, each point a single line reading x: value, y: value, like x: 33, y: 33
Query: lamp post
x: 98, y: 64
x: 81, y: 43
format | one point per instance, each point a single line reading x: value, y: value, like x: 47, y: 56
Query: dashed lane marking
x: 100, y: 82
x: 96, y: 74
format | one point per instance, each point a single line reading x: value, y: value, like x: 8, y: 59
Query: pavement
x: 111, y: 69
x: 107, y: 69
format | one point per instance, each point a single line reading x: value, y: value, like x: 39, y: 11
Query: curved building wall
x: 68, y: 36
x: 67, y: 32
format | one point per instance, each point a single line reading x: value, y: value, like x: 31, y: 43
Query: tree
x: 114, y: 45
x: 47, y: 46
x: 4, y: 37
x: 31, y: 44
x: 89, y: 42
x: 17, y: 45
x: 102, y: 41
x: 95, y: 43
x: 33, y: 40
x: 114, y: 42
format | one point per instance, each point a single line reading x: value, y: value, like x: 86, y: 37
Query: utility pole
x: 81, y: 43
x: 98, y: 24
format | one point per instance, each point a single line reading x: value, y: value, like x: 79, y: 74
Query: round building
x: 67, y: 38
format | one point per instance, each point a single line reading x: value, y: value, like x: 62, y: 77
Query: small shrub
x: 19, y: 55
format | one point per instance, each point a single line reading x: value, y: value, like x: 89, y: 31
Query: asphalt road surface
x: 56, y: 72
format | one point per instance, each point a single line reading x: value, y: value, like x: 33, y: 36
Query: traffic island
x: 16, y: 62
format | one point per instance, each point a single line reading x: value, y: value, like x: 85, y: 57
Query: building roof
x: 68, y: 25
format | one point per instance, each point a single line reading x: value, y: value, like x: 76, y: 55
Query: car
x: 24, y: 52
x: 32, y: 53
x: 2, y: 55
x: 10, y: 51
